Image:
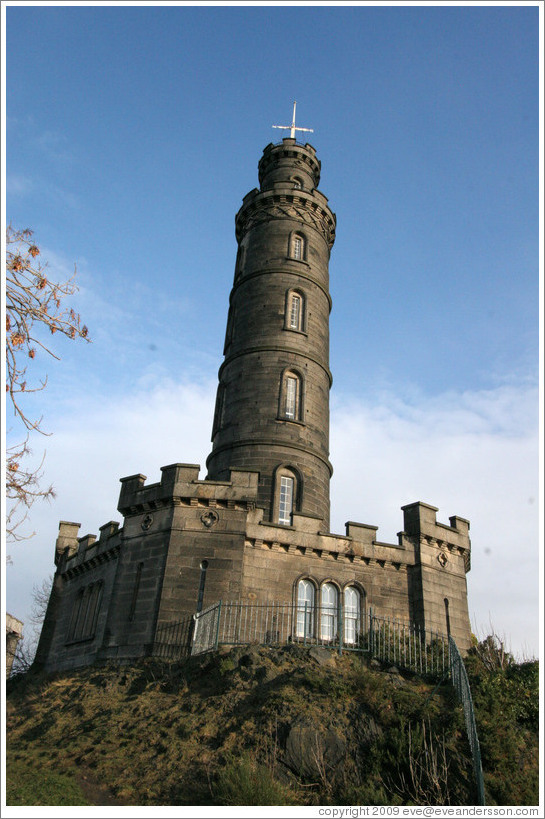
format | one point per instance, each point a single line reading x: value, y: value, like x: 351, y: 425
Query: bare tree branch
x: 33, y: 302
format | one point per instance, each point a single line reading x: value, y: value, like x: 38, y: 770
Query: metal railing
x: 173, y: 640
x: 277, y: 624
x: 460, y: 682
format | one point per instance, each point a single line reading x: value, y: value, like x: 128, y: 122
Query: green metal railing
x: 242, y: 623
x: 458, y: 677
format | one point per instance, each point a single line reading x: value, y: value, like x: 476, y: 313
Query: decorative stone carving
x: 443, y: 559
x: 209, y: 518
x: 146, y: 522
x: 279, y: 207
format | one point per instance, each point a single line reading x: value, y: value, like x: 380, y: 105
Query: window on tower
x: 297, y: 183
x: 285, y: 503
x: 291, y: 397
x: 298, y: 247
x: 287, y: 491
x: 295, y: 311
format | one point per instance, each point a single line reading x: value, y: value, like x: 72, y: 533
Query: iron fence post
x: 340, y: 620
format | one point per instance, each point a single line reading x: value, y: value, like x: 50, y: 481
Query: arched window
x: 352, y: 614
x: 291, y: 397
x: 297, y: 183
x: 285, y: 501
x: 329, y: 612
x: 287, y: 495
x: 305, y: 609
x: 295, y: 310
x: 298, y: 247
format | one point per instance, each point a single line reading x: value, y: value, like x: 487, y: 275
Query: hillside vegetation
x: 269, y: 726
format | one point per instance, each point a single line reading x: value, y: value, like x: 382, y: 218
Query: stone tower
x: 272, y: 407
x: 256, y: 531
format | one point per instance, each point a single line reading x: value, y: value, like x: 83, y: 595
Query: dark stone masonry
x: 257, y: 528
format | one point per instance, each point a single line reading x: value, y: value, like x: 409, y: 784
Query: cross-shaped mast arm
x: 293, y: 128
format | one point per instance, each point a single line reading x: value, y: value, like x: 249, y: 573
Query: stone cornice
x: 273, y: 348
x: 301, y: 207
x: 273, y: 443
x: 289, y: 267
x: 87, y: 564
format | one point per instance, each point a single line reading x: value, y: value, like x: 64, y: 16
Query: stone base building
x: 14, y: 633
x: 257, y: 527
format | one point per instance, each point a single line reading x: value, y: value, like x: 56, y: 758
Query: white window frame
x: 286, y: 494
x: 352, y: 614
x: 329, y: 612
x: 295, y: 305
x: 306, y: 594
x: 291, y: 399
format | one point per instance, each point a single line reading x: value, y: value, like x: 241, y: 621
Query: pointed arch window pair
x: 324, y: 617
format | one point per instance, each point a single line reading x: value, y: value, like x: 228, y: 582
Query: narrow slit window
x: 285, y: 503
x: 295, y: 312
x: 291, y: 397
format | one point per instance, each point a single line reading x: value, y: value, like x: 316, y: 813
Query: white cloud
x: 18, y: 185
x: 474, y: 455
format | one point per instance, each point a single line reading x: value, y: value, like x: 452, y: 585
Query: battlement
x: 182, y: 481
x: 71, y: 550
x: 420, y: 519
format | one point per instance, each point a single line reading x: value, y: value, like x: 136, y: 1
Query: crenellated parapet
x: 440, y: 539
x: 279, y: 159
x: 180, y: 484
x: 75, y: 555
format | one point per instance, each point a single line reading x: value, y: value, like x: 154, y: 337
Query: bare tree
x: 426, y: 782
x: 26, y: 647
x: 34, y: 303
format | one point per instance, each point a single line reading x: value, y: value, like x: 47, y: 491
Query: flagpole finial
x: 293, y: 128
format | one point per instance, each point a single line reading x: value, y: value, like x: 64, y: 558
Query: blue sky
x: 132, y: 135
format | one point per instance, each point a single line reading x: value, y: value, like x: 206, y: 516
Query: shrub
x: 245, y: 782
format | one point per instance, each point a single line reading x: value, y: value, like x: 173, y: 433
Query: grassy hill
x: 268, y: 726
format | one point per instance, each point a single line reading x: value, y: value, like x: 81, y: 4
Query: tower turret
x: 272, y: 408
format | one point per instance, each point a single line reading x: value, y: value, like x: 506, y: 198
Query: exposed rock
x: 322, y: 655
x: 310, y: 752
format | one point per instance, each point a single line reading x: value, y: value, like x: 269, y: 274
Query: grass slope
x: 265, y: 726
